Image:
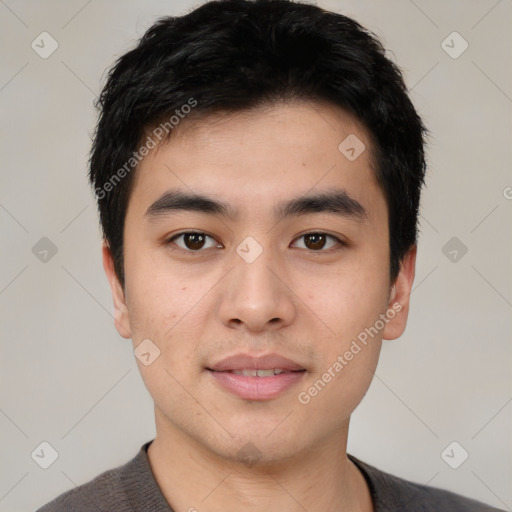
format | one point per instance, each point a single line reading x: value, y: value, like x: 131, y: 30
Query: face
x: 259, y: 275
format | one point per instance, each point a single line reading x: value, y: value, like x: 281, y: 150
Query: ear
x: 121, y: 317
x: 400, y: 296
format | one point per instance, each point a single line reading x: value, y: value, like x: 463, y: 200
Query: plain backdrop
x: 67, y: 377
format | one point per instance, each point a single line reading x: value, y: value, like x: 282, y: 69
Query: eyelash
x: 341, y: 244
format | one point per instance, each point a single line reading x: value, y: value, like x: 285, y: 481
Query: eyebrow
x: 337, y: 201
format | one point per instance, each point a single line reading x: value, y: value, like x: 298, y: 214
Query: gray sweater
x: 133, y: 488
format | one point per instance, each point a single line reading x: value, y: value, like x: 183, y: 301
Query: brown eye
x: 192, y: 241
x: 319, y: 241
x: 314, y: 241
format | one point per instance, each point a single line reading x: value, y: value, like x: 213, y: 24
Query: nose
x: 255, y: 296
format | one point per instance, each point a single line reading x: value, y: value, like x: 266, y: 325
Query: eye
x: 318, y: 241
x: 193, y: 241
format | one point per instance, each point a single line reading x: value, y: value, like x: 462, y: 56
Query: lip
x: 256, y: 388
x: 242, y: 361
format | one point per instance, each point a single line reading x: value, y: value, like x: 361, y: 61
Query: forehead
x: 255, y: 158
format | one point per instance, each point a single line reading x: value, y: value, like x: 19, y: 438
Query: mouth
x: 256, y: 378
x: 252, y: 372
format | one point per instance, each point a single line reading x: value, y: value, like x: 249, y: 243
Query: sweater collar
x: 144, y: 493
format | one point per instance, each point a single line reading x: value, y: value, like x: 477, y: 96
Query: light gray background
x: 69, y: 379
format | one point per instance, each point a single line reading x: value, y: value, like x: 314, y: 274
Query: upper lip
x: 264, y: 362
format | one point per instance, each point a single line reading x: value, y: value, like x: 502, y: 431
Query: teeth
x: 258, y: 373
x: 266, y: 373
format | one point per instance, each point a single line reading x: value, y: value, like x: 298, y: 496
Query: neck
x: 192, y: 477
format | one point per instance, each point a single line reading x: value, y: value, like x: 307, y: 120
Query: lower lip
x: 257, y: 388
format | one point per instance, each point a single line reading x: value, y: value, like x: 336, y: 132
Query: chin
x: 256, y: 449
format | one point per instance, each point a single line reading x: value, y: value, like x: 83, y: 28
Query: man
x: 258, y: 168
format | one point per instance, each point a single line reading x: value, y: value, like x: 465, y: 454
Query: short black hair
x: 236, y: 55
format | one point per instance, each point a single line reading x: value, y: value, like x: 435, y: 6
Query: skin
x: 307, y: 305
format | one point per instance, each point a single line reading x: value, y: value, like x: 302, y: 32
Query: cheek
x: 169, y: 309
x: 351, y: 303
x: 173, y: 374
x: 155, y: 295
x: 349, y: 300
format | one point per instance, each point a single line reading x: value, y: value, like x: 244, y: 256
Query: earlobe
x: 121, y: 317
x: 398, y: 306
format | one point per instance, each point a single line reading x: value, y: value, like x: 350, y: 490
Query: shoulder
x: 393, y: 494
x: 107, y: 492
x: 103, y: 493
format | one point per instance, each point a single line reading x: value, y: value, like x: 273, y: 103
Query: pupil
x: 318, y: 241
